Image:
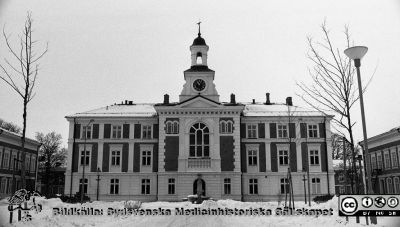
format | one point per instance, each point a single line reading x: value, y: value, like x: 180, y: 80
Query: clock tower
x: 199, y: 79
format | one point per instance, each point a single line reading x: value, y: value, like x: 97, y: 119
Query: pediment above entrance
x: 199, y: 102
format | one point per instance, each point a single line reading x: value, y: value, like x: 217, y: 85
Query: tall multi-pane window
x: 314, y: 157
x: 145, y: 186
x: 146, y: 132
x: 199, y: 140
x: 171, y: 186
x: 389, y: 184
x: 227, y: 186
x: 146, y: 158
x: 253, y: 186
x: 379, y: 158
x: 6, y: 159
x: 115, y: 158
x: 225, y: 127
x: 395, y: 160
x: 116, y: 131
x: 85, y: 185
x: 172, y: 127
x: 87, y: 131
x: 316, y: 185
x: 33, y: 163
x: 14, y: 161
x: 283, y: 157
x: 285, y: 187
x: 387, y: 161
x: 252, y: 156
x: 282, y: 131
x: 312, y: 131
x: 27, y: 161
x: 1, y: 156
x: 373, y: 163
x: 3, y: 185
x: 83, y: 157
x: 114, y: 186
x: 396, y: 185
x: 252, y: 131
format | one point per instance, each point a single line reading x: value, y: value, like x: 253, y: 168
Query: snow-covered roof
x: 135, y: 110
x: 279, y: 110
x: 17, y: 136
x: 148, y: 110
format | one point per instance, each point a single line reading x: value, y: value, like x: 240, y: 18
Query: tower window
x: 199, y: 58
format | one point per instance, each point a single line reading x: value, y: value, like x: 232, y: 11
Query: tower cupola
x: 199, y: 50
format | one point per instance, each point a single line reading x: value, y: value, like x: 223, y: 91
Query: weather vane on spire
x: 198, y: 23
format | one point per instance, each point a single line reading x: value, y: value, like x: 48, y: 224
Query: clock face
x: 199, y: 85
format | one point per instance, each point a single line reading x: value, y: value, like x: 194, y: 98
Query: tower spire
x: 198, y: 23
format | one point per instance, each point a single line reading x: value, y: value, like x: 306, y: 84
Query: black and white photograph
x: 199, y: 113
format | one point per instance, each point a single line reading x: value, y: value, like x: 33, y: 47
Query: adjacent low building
x: 10, y: 162
x: 383, y: 161
x: 169, y: 150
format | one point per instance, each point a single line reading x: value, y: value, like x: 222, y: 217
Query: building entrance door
x: 199, y: 184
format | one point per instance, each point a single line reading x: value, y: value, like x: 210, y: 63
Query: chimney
x: 130, y: 102
x: 166, y: 99
x: 126, y: 102
x: 254, y: 101
x: 289, y: 101
x: 267, y: 101
x: 233, y: 99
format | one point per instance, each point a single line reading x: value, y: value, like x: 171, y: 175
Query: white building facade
x: 162, y: 151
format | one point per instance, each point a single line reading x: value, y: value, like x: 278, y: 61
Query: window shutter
x: 155, y: 158
x: 155, y: 131
x: 262, y: 157
x: 126, y: 131
x: 125, y: 154
x: 243, y: 130
x: 272, y: 130
x: 107, y: 131
x: 304, y: 156
x: 293, y: 157
x: 274, y: 158
x: 106, y: 157
x: 136, y: 158
x: 95, y: 131
x: 303, y: 130
x: 77, y: 131
x: 261, y: 130
x: 292, y: 130
x: 75, y: 157
x: 93, y: 166
x: 137, y: 131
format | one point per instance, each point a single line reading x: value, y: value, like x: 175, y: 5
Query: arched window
x: 199, y: 141
x: 199, y: 58
x: 172, y: 127
x: 396, y: 185
x: 389, y: 189
x: 225, y: 127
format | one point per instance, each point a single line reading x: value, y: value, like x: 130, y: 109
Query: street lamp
x: 356, y: 53
x: 98, y: 183
x: 84, y: 159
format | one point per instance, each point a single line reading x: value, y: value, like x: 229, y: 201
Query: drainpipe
x: 72, y: 161
x: 327, y: 165
x: 241, y: 184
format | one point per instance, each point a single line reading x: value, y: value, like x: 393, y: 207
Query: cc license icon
x: 349, y: 205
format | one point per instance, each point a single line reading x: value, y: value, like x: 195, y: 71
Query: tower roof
x: 199, y: 41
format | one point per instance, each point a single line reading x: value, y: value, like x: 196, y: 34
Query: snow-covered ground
x: 47, y: 218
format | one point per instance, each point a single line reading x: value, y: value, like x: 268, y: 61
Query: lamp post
x: 305, y: 192
x: 98, y: 183
x: 356, y: 53
x: 84, y: 160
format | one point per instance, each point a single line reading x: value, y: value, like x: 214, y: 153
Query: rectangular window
x: 3, y: 185
x: 373, y: 163
x: 6, y: 160
x: 253, y: 186
x: 283, y: 157
x: 9, y: 185
x: 146, y: 158
x: 171, y: 186
x: 85, y: 185
x: 252, y: 154
x: 27, y: 161
x: 251, y: 131
x: 115, y: 158
x: 225, y: 127
x: 14, y: 161
x: 114, y: 186
x: 33, y: 163
x: 341, y: 178
x: 395, y: 161
x: 145, y: 186
x: 282, y: 131
x: 146, y: 132
x: 227, y: 186
x: 172, y: 127
x: 83, y: 157
x: 87, y: 131
x: 387, y: 161
x: 313, y: 131
x: 316, y: 185
x: 116, y: 132
x: 379, y: 157
x: 314, y: 157
x: 285, y: 186
x: 342, y: 190
x: 1, y: 156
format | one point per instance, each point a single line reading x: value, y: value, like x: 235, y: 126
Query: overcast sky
x: 102, y: 52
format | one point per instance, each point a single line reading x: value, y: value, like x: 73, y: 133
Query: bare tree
x: 51, y: 155
x: 333, y: 87
x: 10, y: 126
x: 21, y: 75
